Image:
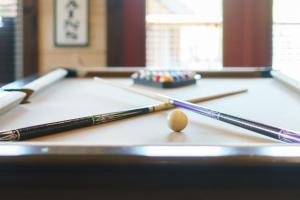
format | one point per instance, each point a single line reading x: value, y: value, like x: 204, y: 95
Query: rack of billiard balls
x: 165, y: 78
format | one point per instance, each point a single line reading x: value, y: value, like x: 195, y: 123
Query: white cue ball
x: 177, y: 120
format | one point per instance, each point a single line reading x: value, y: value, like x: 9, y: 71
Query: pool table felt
x: 267, y: 101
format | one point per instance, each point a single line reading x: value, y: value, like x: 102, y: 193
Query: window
x: 189, y: 33
x: 8, y: 8
x: 8, y: 13
x: 18, y: 39
x: 184, y: 33
x: 286, y: 34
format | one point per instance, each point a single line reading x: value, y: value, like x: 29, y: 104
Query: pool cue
x: 277, y: 133
x: 66, y: 125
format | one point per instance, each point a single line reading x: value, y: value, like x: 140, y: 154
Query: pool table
x: 141, y: 157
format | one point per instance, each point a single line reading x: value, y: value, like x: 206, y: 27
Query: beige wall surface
x: 93, y: 55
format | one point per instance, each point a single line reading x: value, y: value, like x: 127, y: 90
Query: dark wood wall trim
x: 30, y: 36
x: 114, y: 32
x: 134, y: 44
x: 126, y: 33
x: 247, y: 33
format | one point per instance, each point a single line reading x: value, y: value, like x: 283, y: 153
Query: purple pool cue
x: 277, y: 133
x: 267, y: 130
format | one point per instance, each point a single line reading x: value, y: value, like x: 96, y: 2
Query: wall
x: 93, y: 55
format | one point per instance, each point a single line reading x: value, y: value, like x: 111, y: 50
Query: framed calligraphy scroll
x: 71, y: 19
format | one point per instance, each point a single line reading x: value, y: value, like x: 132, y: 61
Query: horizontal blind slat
x: 8, y: 14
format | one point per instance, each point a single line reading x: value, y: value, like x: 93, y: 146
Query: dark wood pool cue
x: 281, y: 134
x: 66, y: 125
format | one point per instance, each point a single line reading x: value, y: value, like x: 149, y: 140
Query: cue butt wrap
x: 55, y: 127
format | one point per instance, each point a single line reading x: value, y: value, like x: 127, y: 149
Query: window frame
x: 247, y: 33
x: 29, y: 17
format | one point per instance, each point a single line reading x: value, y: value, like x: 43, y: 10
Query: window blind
x: 184, y: 33
x: 8, y: 14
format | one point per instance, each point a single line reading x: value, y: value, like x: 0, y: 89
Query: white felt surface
x: 266, y: 101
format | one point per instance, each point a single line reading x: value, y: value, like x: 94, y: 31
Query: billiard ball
x: 177, y: 120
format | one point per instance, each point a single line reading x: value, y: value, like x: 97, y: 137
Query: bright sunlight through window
x: 184, y: 33
x: 286, y: 34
